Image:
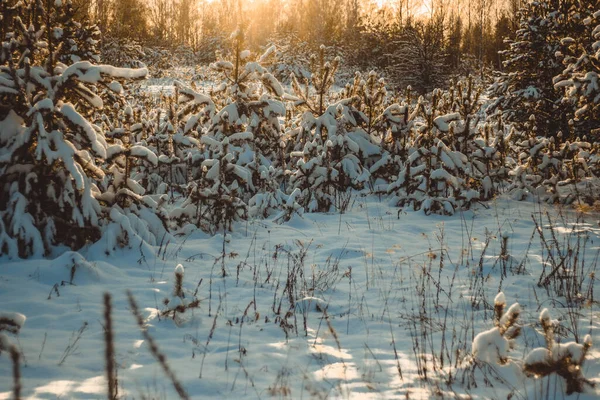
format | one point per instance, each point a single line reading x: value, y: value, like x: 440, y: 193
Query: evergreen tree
x: 419, y: 57
x: 50, y: 154
x: 581, y: 80
x: 536, y: 55
x: 129, y: 20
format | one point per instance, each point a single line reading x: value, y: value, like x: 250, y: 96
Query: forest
x: 146, y: 131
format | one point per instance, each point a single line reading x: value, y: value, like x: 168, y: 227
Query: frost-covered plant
x: 178, y: 285
x: 493, y: 346
x: 178, y: 303
x: 564, y: 359
x: 12, y: 323
x: 50, y: 153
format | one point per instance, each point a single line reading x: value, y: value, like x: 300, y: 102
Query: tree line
x: 448, y: 36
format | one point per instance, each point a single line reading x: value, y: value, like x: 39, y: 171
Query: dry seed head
x: 178, y: 288
x: 499, y: 304
x: 500, y: 299
x: 509, y: 319
x: 548, y: 328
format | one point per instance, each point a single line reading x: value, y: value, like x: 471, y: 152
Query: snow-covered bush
x: 564, y: 359
x: 492, y: 348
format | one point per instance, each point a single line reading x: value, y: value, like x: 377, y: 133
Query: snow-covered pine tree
x: 134, y: 214
x: 395, y: 127
x: 78, y: 40
x: 313, y: 177
x: 335, y: 141
x: 313, y: 92
x: 338, y: 149
x: 312, y: 95
x: 217, y: 197
x: 548, y: 168
x: 50, y: 154
x: 528, y: 149
x: 419, y: 56
x: 241, y: 144
x: 434, y: 177
x: 291, y: 56
x: 482, y: 146
x: 545, y: 39
x: 525, y: 87
x: 580, y: 79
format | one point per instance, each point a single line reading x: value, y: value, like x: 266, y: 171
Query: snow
x: 541, y: 354
x: 85, y: 71
x: 116, y: 87
x: 545, y: 315
x: 12, y: 321
x: 443, y: 121
x: 500, y: 299
x: 144, y: 152
x: 490, y: 346
x: 76, y: 119
x: 244, y: 54
x: 10, y: 127
x: 362, y: 266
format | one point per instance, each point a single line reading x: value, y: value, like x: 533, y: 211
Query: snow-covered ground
x: 373, y: 303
